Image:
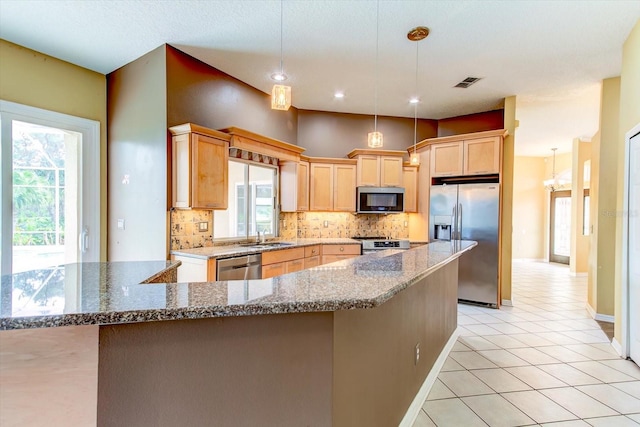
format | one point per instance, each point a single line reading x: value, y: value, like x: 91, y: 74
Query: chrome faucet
x: 258, y: 237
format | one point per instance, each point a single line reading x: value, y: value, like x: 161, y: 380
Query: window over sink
x: 252, y: 202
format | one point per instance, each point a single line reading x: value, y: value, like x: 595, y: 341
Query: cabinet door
x: 326, y: 259
x: 209, y: 173
x: 273, y: 270
x: 368, y: 170
x: 295, y: 265
x: 348, y: 249
x: 303, y: 186
x: 410, y: 184
x: 312, y: 261
x: 390, y: 171
x: 482, y: 156
x: 321, y: 187
x: 446, y: 159
x: 344, y: 183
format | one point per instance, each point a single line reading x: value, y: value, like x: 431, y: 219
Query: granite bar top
x: 225, y: 251
x: 113, y: 294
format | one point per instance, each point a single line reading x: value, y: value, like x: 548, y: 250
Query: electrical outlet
x: 203, y: 226
x: 120, y: 224
x: 417, y: 354
x: 326, y: 224
x: 406, y: 224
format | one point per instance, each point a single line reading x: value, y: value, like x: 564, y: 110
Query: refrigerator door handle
x: 460, y: 221
x: 454, y: 222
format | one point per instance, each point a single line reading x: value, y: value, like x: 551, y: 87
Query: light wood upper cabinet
x: 294, y: 186
x: 332, y: 185
x: 321, y: 187
x: 199, y: 167
x: 447, y: 159
x: 481, y: 156
x: 390, y: 171
x: 378, y: 168
x: 410, y: 184
x: 368, y: 169
x: 344, y: 188
x: 470, y: 154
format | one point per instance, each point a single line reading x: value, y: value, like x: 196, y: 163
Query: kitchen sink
x: 266, y: 244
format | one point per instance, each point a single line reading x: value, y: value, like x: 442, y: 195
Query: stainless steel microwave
x: 380, y: 200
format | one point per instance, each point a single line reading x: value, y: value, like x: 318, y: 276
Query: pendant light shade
x: 281, y: 97
x: 375, y: 138
x: 280, y: 94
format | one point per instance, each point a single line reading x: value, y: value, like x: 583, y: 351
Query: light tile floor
x: 544, y: 361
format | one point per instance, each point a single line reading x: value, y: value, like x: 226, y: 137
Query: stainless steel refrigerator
x: 470, y: 212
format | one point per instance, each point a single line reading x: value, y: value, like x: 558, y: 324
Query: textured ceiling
x: 550, y: 54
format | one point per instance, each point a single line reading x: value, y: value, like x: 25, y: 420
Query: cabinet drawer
x: 326, y: 259
x: 349, y: 249
x: 310, y: 251
x: 273, y: 270
x: 313, y: 261
x: 293, y: 266
x: 282, y: 255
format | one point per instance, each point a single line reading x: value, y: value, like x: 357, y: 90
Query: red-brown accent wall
x: 489, y: 120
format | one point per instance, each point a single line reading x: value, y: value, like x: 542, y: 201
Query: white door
x: 50, y: 189
x: 634, y: 248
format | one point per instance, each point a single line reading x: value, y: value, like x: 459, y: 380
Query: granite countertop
x: 83, y: 294
x: 224, y: 251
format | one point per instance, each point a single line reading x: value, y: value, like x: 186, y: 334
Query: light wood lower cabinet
x: 332, y: 253
x: 313, y: 261
x: 282, y: 261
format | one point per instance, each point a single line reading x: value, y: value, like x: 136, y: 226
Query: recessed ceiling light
x: 339, y: 95
x: 279, y: 77
x: 414, y: 100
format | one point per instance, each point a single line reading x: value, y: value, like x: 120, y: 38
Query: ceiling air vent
x: 467, y: 82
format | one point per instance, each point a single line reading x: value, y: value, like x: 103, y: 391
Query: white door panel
x: 634, y: 248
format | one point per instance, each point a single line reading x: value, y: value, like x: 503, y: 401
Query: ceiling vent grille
x: 467, y: 82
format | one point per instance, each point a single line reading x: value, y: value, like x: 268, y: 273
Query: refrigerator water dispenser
x: 442, y: 225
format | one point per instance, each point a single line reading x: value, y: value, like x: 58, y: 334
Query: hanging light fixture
x: 415, y: 35
x: 280, y: 94
x: 375, y: 139
x: 554, y: 183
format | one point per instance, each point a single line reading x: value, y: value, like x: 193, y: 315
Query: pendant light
x: 554, y: 183
x: 280, y: 94
x: 375, y: 139
x: 415, y: 35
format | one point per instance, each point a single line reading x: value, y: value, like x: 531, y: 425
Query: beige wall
x: 603, y: 176
x: 506, y: 227
x: 629, y: 117
x: 579, y: 242
x: 529, y: 214
x: 37, y: 80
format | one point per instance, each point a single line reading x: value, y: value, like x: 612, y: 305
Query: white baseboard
x: 572, y: 274
x: 418, y: 401
x: 616, y: 346
x: 600, y: 317
x: 528, y: 260
x: 507, y: 302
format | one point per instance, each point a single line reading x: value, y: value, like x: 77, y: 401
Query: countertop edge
x: 204, y: 312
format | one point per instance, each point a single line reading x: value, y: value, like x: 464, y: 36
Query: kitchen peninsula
x: 331, y: 345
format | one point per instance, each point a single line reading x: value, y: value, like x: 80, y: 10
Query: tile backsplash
x: 184, y: 228
x: 185, y: 233
x: 342, y: 224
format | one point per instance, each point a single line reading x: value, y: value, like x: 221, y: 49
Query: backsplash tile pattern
x: 185, y: 234
x: 184, y: 229
x: 342, y: 224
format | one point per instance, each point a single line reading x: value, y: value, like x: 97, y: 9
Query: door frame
x: 90, y: 155
x: 625, y: 339
x: 552, y: 211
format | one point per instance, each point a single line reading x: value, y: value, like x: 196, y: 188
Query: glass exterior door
x: 560, y: 224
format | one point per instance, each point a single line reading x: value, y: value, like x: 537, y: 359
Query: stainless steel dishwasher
x: 240, y: 267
